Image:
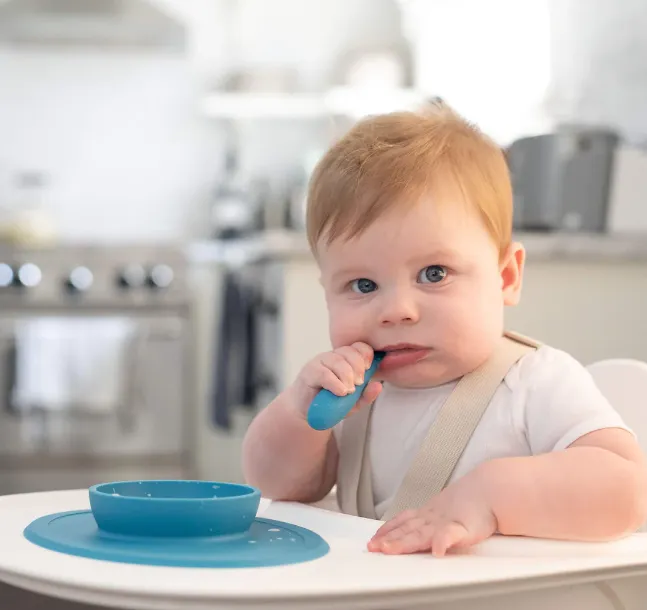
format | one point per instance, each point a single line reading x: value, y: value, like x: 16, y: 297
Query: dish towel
x: 66, y: 363
x: 234, y: 383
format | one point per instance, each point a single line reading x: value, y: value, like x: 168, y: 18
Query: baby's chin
x: 424, y: 374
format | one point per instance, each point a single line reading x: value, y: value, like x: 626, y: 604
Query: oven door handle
x: 9, y: 352
x: 133, y: 392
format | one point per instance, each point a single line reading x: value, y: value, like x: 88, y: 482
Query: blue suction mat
x: 266, y: 543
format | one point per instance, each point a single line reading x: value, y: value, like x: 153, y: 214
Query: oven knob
x: 132, y: 276
x: 79, y: 280
x: 160, y: 276
x: 7, y: 276
x: 28, y: 275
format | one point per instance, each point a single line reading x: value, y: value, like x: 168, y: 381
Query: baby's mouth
x: 397, y: 356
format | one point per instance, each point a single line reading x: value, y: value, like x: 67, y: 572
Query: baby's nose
x: 400, y: 309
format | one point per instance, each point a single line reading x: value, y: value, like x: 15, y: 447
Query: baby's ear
x: 511, y: 269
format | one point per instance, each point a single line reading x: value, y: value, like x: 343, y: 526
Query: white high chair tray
x: 348, y: 574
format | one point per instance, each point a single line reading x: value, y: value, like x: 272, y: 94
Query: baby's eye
x: 363, y: 285
x: 432, y: 274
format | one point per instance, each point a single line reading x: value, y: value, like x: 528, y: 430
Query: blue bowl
x: 174, y: 508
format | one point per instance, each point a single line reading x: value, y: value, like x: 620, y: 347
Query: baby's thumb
x: 370, y: 393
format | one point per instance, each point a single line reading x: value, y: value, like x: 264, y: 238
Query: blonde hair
x: 396, y: 159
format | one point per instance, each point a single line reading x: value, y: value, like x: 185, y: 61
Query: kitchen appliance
x: 627, y: 210
x: 234, y: 211
x: 94, y: 366
x: 27, y: 220
x: 561, y: 180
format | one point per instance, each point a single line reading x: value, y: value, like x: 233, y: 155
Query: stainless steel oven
x: 95, y: 371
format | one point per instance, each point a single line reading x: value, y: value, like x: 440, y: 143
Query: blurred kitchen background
x: 156, y: 289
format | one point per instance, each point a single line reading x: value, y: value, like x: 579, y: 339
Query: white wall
x: 517, y: 67
x: 489, y: 60
x: 121, y: 136
x: 599, y: 64
x: 130, y: 157
x: 126, y: 153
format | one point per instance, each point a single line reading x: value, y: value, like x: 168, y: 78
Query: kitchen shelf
x: 340, y: 101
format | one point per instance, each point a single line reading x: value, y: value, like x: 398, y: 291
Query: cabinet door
x: 593, y: 310
x: 304, y: 315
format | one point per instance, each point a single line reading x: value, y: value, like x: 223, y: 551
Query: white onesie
x: 546, y: 402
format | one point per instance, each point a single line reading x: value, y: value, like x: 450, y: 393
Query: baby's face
x: 426, y: 285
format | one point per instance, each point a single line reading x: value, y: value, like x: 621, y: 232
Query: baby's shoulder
x: 546, y: 367
x: 554, y: 400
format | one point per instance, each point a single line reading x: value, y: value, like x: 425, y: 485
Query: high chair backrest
x: 624, y: 384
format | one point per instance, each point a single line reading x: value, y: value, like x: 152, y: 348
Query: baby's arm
x: 285, y: 458
x: 596, y: 489
x: 282, y: 455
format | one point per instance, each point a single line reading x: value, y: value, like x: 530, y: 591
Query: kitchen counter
x: 275, y: 245
x: 588, y: 248
x: 540, y: 247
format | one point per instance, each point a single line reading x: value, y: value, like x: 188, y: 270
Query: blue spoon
x: 328, y: 409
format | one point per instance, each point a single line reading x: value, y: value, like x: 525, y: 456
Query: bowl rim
x: 249, y: 491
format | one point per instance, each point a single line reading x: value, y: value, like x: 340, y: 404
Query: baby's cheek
x: 341, y: 334
x: 345, y: 327
x: 465, y: 329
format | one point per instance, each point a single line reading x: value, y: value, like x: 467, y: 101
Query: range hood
x: 111, y: 24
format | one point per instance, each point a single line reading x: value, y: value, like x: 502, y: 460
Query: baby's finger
x: 413, y: 541
x: 341, y: 368
x: 395, y: 523
x: 451, y: 535
x: 323, y: 377
x: 378, y: 542
x: 356, y: 360
x: 366, y: 351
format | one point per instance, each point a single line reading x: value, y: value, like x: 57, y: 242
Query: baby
x: 410, y: 221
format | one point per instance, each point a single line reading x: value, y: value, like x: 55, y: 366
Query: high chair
x: 503, y: 573
x: 623, y: 381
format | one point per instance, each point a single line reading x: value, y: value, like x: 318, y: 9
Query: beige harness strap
x: 354, y: 488
x: 441, y: 449
x: 452, y: 429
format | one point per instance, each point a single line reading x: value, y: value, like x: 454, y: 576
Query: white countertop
x: 348, y: 574
x: 281, y: 245
x: 271, y: 244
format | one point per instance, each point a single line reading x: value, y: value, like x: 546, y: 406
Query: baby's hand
x: 458, y: 517
x: 337, y: 371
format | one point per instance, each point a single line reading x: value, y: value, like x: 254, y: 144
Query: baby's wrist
x: 499, y: 480
x: 295, y: 402
x: 488, y: 480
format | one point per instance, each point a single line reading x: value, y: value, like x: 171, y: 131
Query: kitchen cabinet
x: 593, y: 310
